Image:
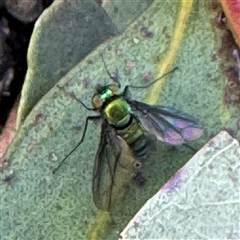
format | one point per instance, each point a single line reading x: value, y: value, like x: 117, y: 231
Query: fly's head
x: 104, y: 94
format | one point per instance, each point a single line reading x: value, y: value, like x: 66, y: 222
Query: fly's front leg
x: 89, y: 118
x: 72, y: 95
x: 126, y: 92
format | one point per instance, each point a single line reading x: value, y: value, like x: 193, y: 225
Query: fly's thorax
x: 117, y: 112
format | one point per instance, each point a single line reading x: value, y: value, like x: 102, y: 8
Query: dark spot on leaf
x: 135, y: 225
x: 52, y: 157
x: 77, y: 128
x: 119, y: 52
x: 8, y: 178
x: 99, y: 2
x: 115, y: 9
x: 130, y: 64
x: 89, y: 62
x: 86, y: 82
x: 214, y: 57
x: 38, y: 118
x: 4, y: 162
x: 32, y: 143
x: 58, y: 207
x: 233, y: 177
x: 146, y: 33
x: 146, y: 77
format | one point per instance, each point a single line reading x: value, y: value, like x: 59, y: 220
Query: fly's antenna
x: 115, y: 79
x: 151, y: 83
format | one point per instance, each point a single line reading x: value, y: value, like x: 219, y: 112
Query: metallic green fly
x: 127, y: 121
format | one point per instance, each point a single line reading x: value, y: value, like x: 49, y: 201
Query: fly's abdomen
x: 135, y: 138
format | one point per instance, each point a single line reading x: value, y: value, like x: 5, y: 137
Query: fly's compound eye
x: 97, y: 101
x: 114, y: 88
x: 137, y: 164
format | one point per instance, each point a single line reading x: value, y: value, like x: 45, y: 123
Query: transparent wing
x: 167, y: 124
x: 105, y: 165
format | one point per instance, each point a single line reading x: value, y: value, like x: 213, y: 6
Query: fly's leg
x: 89, y: 118
x: 84, y: 105
x: 72, y: 95
x: 189, y: 147
x: 186, y: 146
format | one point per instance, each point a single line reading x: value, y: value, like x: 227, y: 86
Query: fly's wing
x: 167, y: 124
x: 105, y: 165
